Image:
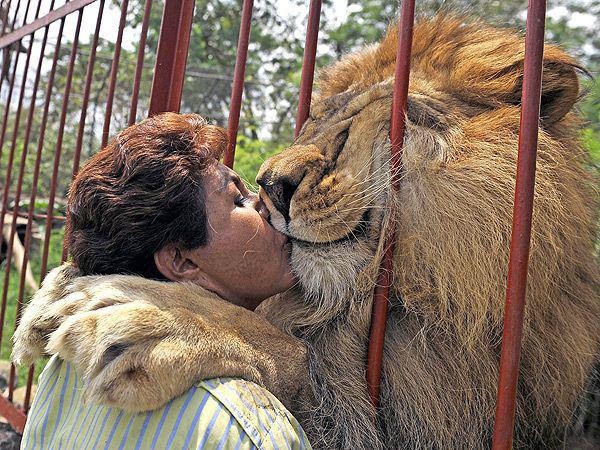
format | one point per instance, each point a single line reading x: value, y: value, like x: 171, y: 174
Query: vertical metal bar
x: 521, y: 227
x: 113, y: 74
x: 308, y: 64
x: 11, y: 87
x: 19, y: 189
x: 140, y: 63
x: 27, y: 400
x: 11, y: 155
x: 86, y: 92
x: 35, y: 180
x: 171, y: 56
x: 58, y: 149
x: 397, y: 128
x: 237, y: 87
x: 84, y: 105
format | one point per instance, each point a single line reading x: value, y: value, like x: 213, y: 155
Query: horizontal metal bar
x: 41, y: 216
x: 52, y: 16
x: 15, y: 417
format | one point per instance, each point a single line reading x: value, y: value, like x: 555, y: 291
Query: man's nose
x: 260, y: 207
x: 280, y: 190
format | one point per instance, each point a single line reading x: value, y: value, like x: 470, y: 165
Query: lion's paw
x: 115, y: 348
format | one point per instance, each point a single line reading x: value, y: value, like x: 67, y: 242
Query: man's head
x: 155, y: 202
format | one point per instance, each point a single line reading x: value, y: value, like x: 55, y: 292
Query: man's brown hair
x: 144, y: 190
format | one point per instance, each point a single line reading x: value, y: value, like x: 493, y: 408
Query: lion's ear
x: 494, y: 67
x: 560, y: 87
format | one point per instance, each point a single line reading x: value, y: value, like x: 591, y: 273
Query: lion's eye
x: 241, y: 201
x: 339, y: 142
x: 341, y: 138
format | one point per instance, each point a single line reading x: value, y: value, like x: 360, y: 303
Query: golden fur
x: 453, y: 216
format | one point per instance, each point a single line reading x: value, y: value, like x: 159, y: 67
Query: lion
x: 331, y: 193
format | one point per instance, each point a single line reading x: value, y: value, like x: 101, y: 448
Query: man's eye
x: 240, y: 201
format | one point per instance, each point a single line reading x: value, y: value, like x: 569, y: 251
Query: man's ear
x: 173, y: 264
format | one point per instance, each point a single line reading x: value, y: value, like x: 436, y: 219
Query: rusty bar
x: 17, y: 199
x: 15, y: 417
x: 308, y: 64
x: 38, y: 159
x: 237, y: 87
x: 86, y: 92
x: 84, y: 106
x: 42, y: 216
x: 52, y: 16
x: 521, y: 227
x: 10, y: 89
x: 140, y: 63
x: 27, y: 399
x: 11, y: 155
x: 113, y: 73
x: 58, y: 149
x: 171, y: 56
x: 397, y: 128
x: 31, y: 215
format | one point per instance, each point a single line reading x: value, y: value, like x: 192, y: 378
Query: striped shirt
x: 215, y: 414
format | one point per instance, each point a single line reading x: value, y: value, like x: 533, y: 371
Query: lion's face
x: 330, y: 192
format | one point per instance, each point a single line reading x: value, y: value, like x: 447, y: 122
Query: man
x: 155, y: 202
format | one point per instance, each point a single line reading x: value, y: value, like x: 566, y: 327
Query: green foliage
x: 249, y: 155
x: 591, y: 141
x: 54, y: 255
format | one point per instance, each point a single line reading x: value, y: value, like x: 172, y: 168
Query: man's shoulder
x: 264, y: 418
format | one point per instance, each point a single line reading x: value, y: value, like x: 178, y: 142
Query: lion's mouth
x: 357, y: 233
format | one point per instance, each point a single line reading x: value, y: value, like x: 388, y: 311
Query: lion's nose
x: 280, y: 190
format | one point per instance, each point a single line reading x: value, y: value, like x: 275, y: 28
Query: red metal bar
x: 38, y: 159
x: 41, y: 216
x: 84, y: 107
x: 58, y: 149
x: 86, y: 92
x: 397, y: 128
x: 17, y: 198
x: 15, y: 417
x: 308, y: 64
x: 171, y: 57
x: 36, y: 172
x: 10, y: 89
x: 113, y: 73
x: 11, y: 155
x: 140, y: 63
x: 52, y: 16
x: 521, y: 227
x: 237, y: 88
x: 27, y: 400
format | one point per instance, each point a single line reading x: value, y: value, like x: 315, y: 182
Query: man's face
x: 245, y: 257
